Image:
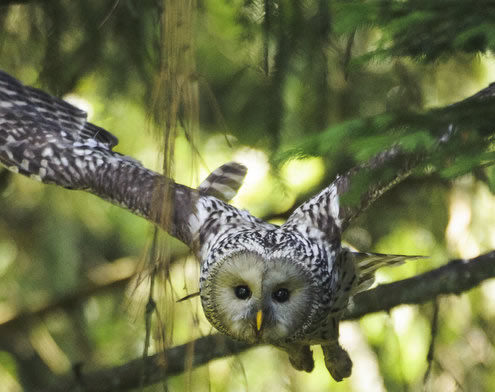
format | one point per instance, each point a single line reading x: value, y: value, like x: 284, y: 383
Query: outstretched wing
x: 45, y: 114
x: 50, y: 140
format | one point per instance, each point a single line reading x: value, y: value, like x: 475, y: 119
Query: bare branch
x: 453, y: 278
x: 431, y: 350
x: 156, y: 368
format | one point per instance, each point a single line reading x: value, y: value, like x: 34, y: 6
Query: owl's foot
x: 300, y: 357
x: 302, y: 360
x: 337, y: 361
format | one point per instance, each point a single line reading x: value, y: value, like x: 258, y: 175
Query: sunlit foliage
x: 298, y: 91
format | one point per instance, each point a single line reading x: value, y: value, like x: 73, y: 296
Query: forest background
x: 298, y: 91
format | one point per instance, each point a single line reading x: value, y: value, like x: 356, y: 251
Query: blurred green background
x: 296, y: 90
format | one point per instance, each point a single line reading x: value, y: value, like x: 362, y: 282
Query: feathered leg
x: 337, y: 360
x: 300, y: 356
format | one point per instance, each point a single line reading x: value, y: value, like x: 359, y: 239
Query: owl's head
x: 258, y: 300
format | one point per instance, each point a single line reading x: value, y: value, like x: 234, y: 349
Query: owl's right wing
x: 50, y: 140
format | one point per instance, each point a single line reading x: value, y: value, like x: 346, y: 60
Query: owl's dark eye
x: 242, y: 292
x: 281, y: 295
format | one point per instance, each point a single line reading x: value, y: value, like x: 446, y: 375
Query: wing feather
x: 224, y: 182
x: 50, y: 140
x: 368, y: 263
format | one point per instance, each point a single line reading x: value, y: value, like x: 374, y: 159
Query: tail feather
x: 368, y: 263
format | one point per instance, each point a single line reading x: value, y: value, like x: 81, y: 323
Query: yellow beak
x: 259, y: 319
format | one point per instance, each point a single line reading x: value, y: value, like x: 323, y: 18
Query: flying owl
x: 261, y: 283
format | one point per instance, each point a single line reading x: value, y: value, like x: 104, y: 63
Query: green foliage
x: 66, y: 41
x: 422, y: 29
x: 337, y: 81
x: 430, y: 30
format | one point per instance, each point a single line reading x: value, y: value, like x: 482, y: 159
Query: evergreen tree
x: 312, y: 87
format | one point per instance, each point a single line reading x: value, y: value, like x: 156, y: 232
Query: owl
x: 261, y: 283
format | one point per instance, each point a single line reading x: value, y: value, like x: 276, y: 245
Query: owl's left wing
x: 368, y: 263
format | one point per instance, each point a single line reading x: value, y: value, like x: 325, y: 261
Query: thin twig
x: 110, y: 13
x: 431, y: 350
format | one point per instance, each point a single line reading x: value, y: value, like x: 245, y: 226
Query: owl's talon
x: 306, y: 364
x: 337, y: 361
x: 300, y: 356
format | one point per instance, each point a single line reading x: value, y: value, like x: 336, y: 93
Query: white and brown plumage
x: 262, y: 283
